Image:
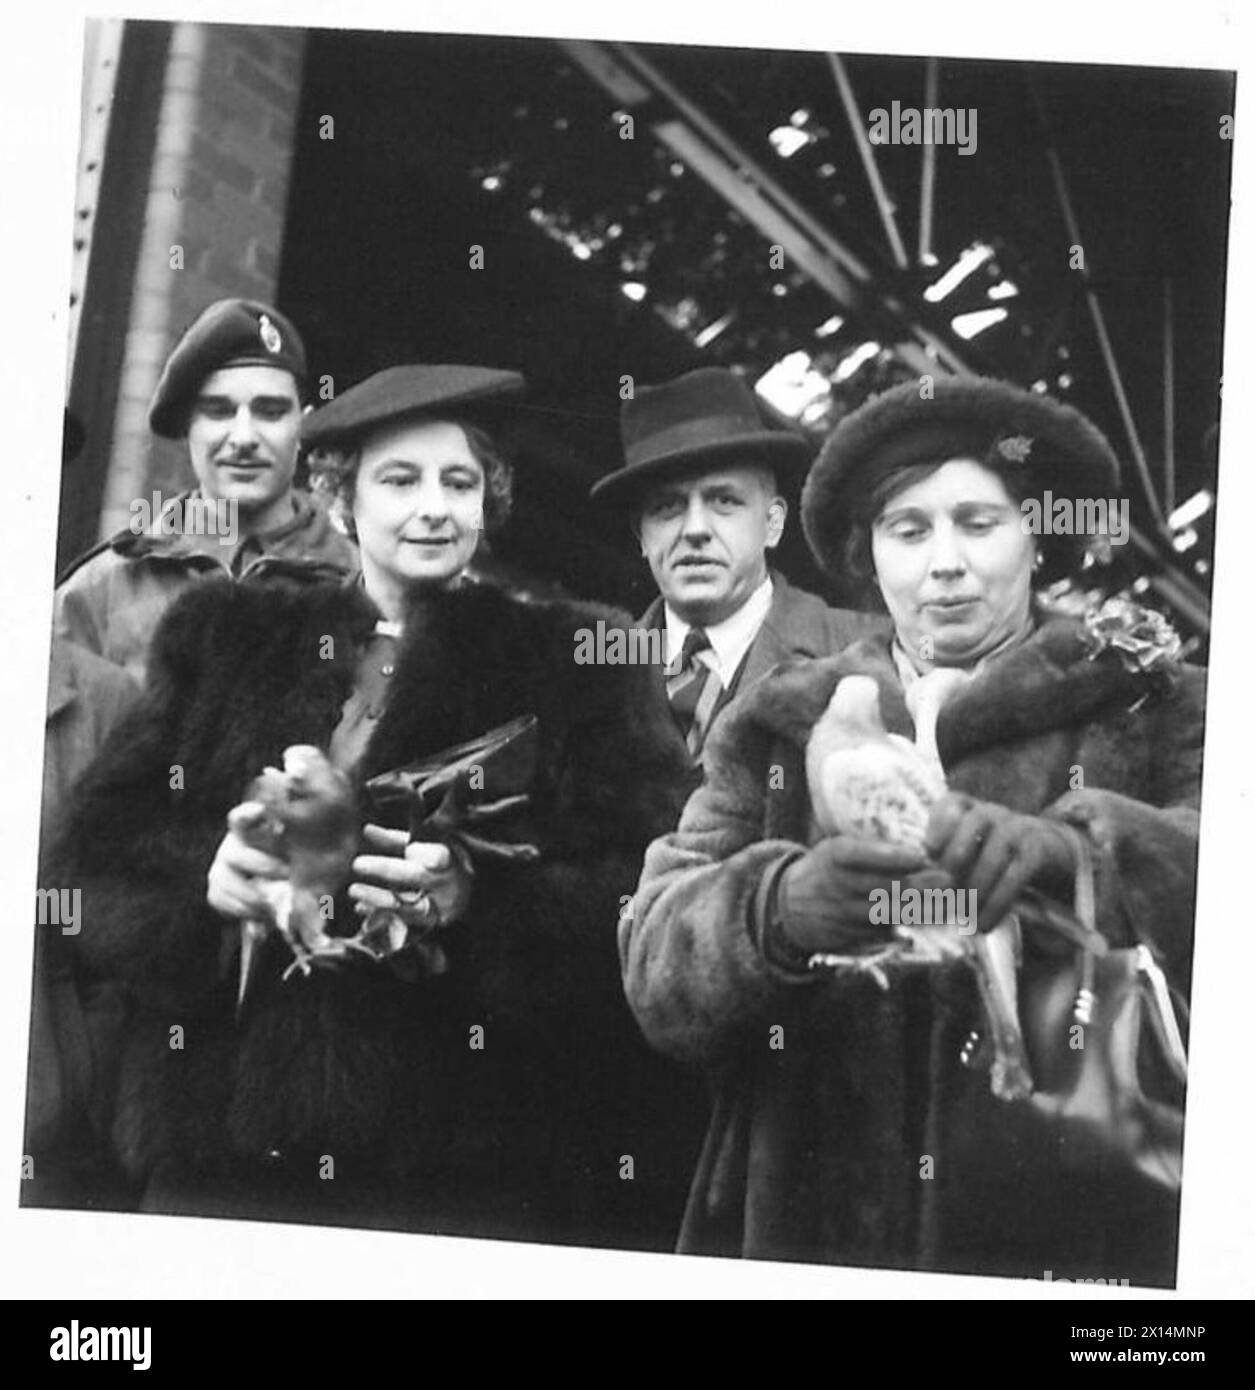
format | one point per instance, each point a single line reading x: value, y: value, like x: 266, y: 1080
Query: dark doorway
x: 376, y: 271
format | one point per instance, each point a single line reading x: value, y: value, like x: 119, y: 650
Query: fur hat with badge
x: 1033, y: 443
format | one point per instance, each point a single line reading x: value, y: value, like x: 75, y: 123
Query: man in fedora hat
x: 701, y: 484
x: 232, y: 388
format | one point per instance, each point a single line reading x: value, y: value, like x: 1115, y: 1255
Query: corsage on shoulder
x: 1144, y: 641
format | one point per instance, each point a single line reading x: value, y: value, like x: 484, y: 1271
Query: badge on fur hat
x: 270, y: 338
x: 1015, y: 448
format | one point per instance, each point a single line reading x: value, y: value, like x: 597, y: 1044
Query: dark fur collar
x: 474, y: 657
x: 1048, y: 682
x: 242, y: 670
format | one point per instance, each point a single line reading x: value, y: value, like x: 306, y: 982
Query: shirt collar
x: 730, y: 639
x: 171, y: 536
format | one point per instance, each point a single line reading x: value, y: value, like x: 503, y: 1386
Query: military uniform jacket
x: 112, y: 601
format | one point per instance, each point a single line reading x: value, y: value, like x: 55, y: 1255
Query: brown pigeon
x: 307, y: 815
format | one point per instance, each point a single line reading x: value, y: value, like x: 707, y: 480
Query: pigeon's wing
x: 881, y: 791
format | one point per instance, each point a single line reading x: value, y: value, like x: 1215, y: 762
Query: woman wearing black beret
x: 876, y: 1102
x: 422, y: 1027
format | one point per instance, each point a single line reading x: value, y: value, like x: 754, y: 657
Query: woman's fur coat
x: 817, y: 1144
x: 524, y: 1136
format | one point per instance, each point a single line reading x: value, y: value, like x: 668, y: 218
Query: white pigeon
x: 867, y: 782
x: 864, y: 780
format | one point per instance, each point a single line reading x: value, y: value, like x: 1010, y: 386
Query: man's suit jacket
x: 798, y: 624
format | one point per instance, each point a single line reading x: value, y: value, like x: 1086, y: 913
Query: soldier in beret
x: 700, y: 484
x: 232, y: 388
x: 1071, y: 750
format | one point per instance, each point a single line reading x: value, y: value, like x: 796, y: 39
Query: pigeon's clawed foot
x: 300, y: 965
x: 353, y: 943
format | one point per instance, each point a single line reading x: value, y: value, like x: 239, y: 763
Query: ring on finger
x: 417, y: 907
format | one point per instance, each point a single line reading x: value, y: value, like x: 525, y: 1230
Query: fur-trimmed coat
x: 816, y: 1143
x: 524, y: 1136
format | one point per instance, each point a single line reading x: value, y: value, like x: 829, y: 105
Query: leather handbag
x: 1107, y: 1054
x: 1104, y: 1044
x: 1080, y: 1177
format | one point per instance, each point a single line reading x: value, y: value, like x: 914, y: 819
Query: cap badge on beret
x: 1015, y: 448
x: 270, y: 337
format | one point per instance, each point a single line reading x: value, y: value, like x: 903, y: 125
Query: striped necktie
x: 692, y: 688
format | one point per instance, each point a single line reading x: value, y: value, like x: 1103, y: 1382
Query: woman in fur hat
x: 445, y: 1047
x: 854, y: 1120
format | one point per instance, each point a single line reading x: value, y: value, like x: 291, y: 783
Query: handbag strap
x: 1164, y: 1015
x: 1085, y: 909
x: 1161, y: 1010
x: 1083, y: 891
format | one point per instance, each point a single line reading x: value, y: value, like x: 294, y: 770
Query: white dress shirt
x: 729, y: 640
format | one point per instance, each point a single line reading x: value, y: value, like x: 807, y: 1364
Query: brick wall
x: 218, y: 189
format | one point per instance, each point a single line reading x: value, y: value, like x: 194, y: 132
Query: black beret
x: 399, y: 393
x: 229, y: 333
x: 991, y: 421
